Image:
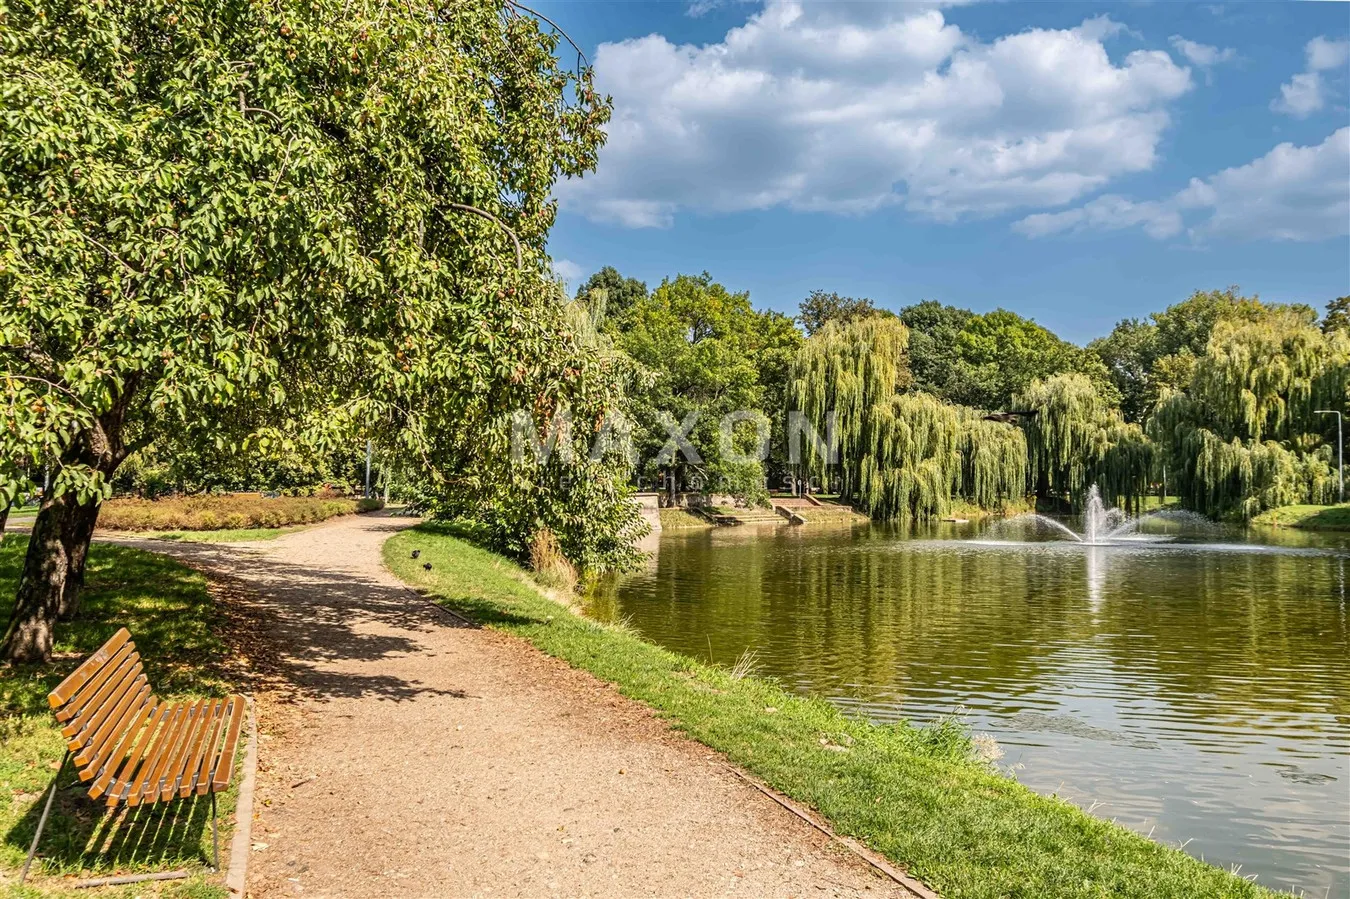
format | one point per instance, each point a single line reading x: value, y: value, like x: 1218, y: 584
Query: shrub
x: 230, y: 510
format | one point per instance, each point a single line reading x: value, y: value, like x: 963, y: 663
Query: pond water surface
x: 1197, y: 690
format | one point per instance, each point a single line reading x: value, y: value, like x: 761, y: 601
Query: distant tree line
x: 1214, y: 396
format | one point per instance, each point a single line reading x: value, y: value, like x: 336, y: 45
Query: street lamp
x: 1340, y: 446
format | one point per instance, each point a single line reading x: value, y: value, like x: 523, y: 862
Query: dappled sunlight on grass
x: 172, y: 619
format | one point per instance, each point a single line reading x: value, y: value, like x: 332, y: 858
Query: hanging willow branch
x: 901, y: 454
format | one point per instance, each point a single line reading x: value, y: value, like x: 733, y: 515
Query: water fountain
x: 1102, y: 525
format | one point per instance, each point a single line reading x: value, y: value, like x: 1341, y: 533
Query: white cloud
x: 848, y: 107
x: 1325, y: 54
x: 1202, y: 55
x: 1291, y: 193
x: 568, y: 270
x: 1106, y: 213
x: 1305, y: 93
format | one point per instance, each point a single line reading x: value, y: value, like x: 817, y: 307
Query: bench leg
x: 42, y: 822
x: 215, y: 838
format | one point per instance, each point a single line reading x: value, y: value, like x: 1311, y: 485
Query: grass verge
x: 1313, y: 518
x: 224, y: 535
x: 918, y: 795
x: 679, y: 519
x: 172, y: 617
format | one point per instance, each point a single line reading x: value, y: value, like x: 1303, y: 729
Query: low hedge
x: 224, y: 511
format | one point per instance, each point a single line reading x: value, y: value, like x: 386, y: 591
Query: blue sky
x: 1077, y: 163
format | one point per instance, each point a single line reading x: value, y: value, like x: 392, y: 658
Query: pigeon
x: 416, y: 553
x: 426, y: 565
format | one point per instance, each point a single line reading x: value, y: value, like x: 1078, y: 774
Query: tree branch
x: 52, y: 384
x: 520, y: 257
x: 111, y: 254
x: 244, y: 108
x: 538, y: 15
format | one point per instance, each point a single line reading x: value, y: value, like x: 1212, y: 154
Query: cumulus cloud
x: 1305, y: 93
x: 1291, y: 193
x: 1202, y: 55
x: 851, y: 106
x: 1106, y: 213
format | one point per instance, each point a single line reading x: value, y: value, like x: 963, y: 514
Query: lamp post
x: 367, y: 494
x: 1340, y: 446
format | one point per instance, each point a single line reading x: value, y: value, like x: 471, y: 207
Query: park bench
x: 133, y: 749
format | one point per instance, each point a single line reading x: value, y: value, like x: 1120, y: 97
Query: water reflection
x: 1199, y: 691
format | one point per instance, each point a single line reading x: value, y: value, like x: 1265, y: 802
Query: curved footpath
x: 425, y: 759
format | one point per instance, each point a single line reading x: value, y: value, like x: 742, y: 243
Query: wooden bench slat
x: 77, y: 678
x: 157, y: 755
x: 202, y: 747
x: 210, y: 758
x: 224, y: 767
x: 110, y: 722
x: 96, y: 711
x: 96, y: 683
x: 104, y: 768
x: 121, y: 781
x: 165, y: 754
x: 173, y: 771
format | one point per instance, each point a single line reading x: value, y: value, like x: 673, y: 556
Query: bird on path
x: 416, y: 553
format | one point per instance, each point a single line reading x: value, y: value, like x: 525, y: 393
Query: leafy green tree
x: 1145, y: 358
x: 1338, y: 315
x: 1076, y: 438
x: 934, y: 347
x: 1130, y: 354
x: 327, y: 218
x: 1002, y: 353
x: 705, y: 351
x: 620, y: 293
x: 1241, y: 437
x: 822, y: 307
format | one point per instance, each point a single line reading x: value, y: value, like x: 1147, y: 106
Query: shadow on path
x: 321, y: 624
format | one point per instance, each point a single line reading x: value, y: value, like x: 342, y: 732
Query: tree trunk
x: 4, y: 518
x: 30, y: 633
x: 76, y: 537
x: 60, y: 543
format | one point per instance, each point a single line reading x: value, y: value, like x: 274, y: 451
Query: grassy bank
x: 232, y: 511
x: 173, y: 620
x: 1314, y: 518
x: 679, y: 519
x: 916, y: 794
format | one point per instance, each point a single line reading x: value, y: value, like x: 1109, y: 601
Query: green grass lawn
x: 1318, y: 518
x: 172, y: 618
x: 916, y: 794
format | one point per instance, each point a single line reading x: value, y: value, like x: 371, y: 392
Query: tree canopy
x: 291, y: 223
x: 705, y: 351
x: 822, y: 307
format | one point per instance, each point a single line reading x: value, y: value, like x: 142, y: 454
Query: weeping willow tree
x: 993, y: 461
x: 1076, y: 439
x: 1243, y: 437
x: 900, y: 454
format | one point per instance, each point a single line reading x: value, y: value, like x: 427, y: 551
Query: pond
x: 1195, y: 687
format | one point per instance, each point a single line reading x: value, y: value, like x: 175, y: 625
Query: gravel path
x: 424, y: 759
